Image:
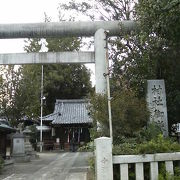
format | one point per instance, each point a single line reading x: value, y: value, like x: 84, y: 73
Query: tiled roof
x: 49, y: 117
x: 4, y: 126
x: 69, y: 112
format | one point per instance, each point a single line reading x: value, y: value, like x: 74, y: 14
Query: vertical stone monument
x: 19, y: 149
x: 156, y: 99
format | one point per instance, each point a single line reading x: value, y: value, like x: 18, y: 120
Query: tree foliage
x: 152, y: 53
x: 160, y: 23
x: 101, y: 9
x: 60, y: 81
x: 66, y: 82
x: 129, y: 114
x: 9, y: 79
x: 21, y: 88
x: 27, y: 95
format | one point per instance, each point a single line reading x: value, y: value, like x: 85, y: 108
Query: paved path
x: 51, y: 166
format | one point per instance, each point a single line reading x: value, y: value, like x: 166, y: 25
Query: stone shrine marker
x: 156, y: 99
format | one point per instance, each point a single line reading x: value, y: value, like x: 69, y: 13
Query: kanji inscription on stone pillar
x: 156, y: 99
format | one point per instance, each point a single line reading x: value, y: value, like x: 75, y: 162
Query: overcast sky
x: 26, y: 11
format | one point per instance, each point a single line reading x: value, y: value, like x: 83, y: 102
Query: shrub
x: 164, y: 175
x: 158, y: 144
x: 91, y: 172
x: 89, y: 147
x: 124, y: 149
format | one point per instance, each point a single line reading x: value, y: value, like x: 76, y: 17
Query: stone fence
x: 105, y: 160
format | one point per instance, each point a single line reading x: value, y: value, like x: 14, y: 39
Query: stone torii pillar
x: 100, y: 61
x: 102, y: 71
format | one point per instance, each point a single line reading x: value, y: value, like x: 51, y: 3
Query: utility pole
x: 41, y: 141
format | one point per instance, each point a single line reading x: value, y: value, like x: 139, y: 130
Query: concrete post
x: 100, y: 61
x: 103, y: 162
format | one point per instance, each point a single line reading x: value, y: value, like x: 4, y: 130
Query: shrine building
x: 70, y: 122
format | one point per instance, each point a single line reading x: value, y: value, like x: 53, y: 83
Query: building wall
x: 3, y: 144
x: 63, y: 137
x: 67, y: 135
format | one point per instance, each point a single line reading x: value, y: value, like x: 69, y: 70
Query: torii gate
x: 54, y: 30
x: 97, y: 29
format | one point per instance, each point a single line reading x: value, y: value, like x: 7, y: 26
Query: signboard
x: 44, y: 128
x: 156, y: 99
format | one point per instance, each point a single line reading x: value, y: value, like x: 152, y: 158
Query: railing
x: 104, y: 162
x: 139, y: 161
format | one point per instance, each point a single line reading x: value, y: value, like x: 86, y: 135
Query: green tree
x: 152, y: 53
x: 33, y: 45
x: 9, y: 79
x: 60, y: 81
x: 27, y: 95
x: 65, y: 82
x: 101, y: 9
x: 129, y: 114
x: 160, y: 29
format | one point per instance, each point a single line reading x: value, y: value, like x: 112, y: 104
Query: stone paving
x: 50, y: 166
